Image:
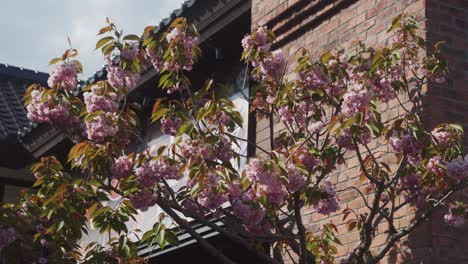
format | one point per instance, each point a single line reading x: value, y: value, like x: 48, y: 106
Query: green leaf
x: 101, y: 211
x: 131, y: 37
x: 125, y: 251
x: 147, y: 41
x: 155, y: 116
x: 377, y: 61
x: 105, y: 29
x: 54, y: 60
x: 185, y: 128
x: 457, y: 127
x: 147, y: 235
x: 79, y: 66
x: 164, y: 79
x: 172, y: 238
x: 103, y: 41
x: 107, y: 49
x: 326, y: 57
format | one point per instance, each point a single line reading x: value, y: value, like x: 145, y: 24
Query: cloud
x: 33, y: 32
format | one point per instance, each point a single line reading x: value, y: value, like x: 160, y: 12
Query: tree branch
x: 186, y: 226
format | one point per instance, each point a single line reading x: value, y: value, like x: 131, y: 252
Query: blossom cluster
x: 442, y: 137
x: 456, y: 214
x: 183, y: 44
x: 408, y: 145
x: 266, y: 182
x: 329, y: 202
x: 7, y: 236
x: 356, y: 100
x: 314, y: 78
x: 130, y: 51
x: 345, y: 140
x: 170, y: 124
x: 43, y: 109
x: 102, y: 127
x: 144, y: 199
x: 223, y: 151
x: 244, y: 206
x: 219, y: 119
x: 273, y: 66
x: 63, y: 76
x: 117, y: 75
x: 121, y: 167
x: 103, y: 122
x: 259, y: 40
x: 152, y: 171
x: 295, y: 178
x: 210, y: 195
x: 192, y: 148
x: 119, y: 78
x: 457, y: 169
x: 96, y: 99
x: 305, y: 158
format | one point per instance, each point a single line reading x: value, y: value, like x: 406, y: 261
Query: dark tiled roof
x: 13, y: 83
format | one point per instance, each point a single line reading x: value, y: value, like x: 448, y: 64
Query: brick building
x: 321, y: 25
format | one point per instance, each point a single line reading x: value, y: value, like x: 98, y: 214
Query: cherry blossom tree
x: 330, y: 112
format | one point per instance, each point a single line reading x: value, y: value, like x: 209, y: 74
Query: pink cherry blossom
x: 130, y: 51
x: 193, y: 207
x: 247, y: 213
x: 121, y: 167
x: 156, y: 61
x: 314, y: 78
x: 247, y: 42
x: 409, y: 180
x: 44, y: 110
x: 295, y: 178
x: 267, y: 183
x: 7, y: 236
x: 192, y: 148
x: 170, y: 125
x: 209, y: 195
x: 457, y: 169
x: 63, y: 76
x: 443, y: 138
x: 436, y: 165
x: 345, y: 140
x: 455, y: 215
x: 286, y: 115
x: 316, y: 127
x: 143, y: 200
x: 273, y: 66
x: 356, y: 100
x: 307, y: 159
x: 260, y: 39
x: 383, y: 87
x: 119, y: 78
x: 162, y: 168
x: 454, y: 220
x: 409, y: 146
x: 223, y: 151
x: 101, y: 127
x: 328, y: 204
x: 96, y: 100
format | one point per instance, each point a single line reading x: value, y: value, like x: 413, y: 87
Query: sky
x: 32, y: 32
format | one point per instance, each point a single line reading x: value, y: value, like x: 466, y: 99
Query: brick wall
x: 448, y: 21
x: 319, y: 25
